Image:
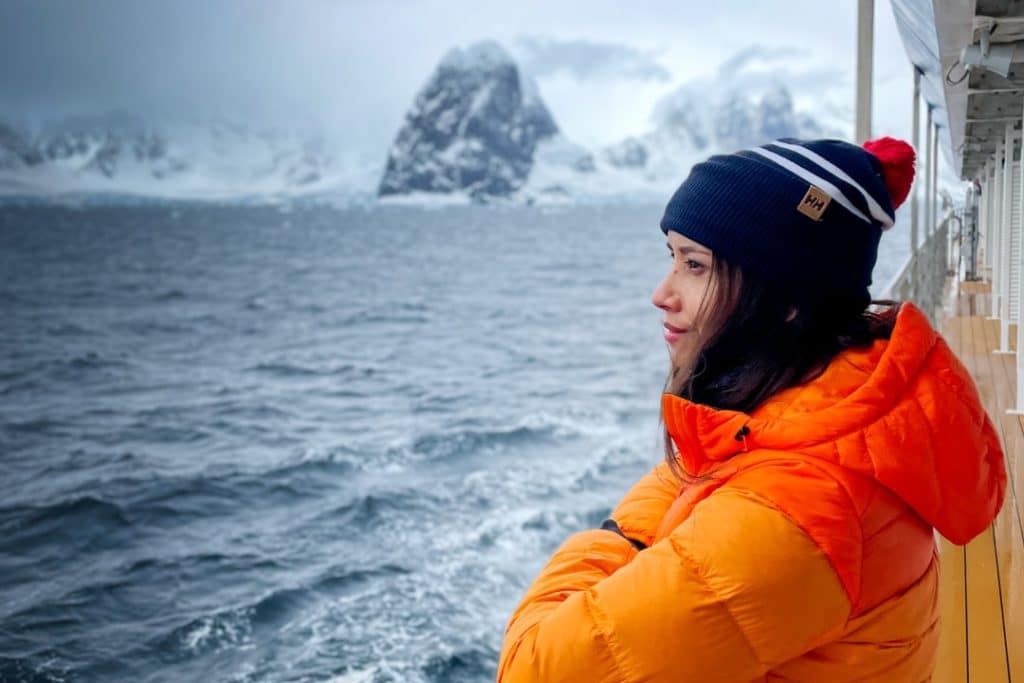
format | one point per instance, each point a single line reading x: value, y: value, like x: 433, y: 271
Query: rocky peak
x: 776, y: 116
x: 473, y: 128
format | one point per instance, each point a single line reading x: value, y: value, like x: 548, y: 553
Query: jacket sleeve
x: 734, y: 591
x: 641, y: 510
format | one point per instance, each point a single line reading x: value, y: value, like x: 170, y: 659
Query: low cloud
x: 588, y: 60
x: 760, y: 54
x: 792, y: 66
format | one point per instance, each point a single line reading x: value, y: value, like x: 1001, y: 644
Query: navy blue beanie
x: 805, y: 215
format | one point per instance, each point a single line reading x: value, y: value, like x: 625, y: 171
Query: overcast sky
x: 353, y: 67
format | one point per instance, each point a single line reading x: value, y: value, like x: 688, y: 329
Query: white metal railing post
x: 929, y: 201
x: 1005, y: 242
x: 865, y: 58
x: 950, y: 255
x: 992, y: 224
x: 993, y: 215
x: 968, y: 238
x: 995, y: 220
x: 982, y: 203
x: 938, y: 214
x: 1019, y: 407
x: 917, y: 149
x: 935, y: 176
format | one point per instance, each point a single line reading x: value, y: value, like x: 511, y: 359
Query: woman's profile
x: 815, y: 442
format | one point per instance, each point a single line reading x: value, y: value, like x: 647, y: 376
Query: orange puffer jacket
x: 804, y: 550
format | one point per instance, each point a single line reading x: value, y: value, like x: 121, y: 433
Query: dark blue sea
x: 309, y: 443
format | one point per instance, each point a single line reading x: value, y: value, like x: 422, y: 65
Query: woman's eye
x: 694, y: 265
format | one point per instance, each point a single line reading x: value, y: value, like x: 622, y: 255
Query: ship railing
x: 922, y: 279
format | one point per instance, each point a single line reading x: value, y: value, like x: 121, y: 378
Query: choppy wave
x: 207, y: 634
x: 244, y: 451
x: 463, y: 666
x: 31, y: 670
x: 26, y: 527
x: 444, y: 445
x: 169, y: 295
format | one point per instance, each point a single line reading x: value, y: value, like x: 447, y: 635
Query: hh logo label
x: 814, y: 203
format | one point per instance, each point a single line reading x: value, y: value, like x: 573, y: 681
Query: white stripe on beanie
x: 813, y: 179
x: 877, y: 212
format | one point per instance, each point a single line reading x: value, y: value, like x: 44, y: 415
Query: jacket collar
x: 858, y: 388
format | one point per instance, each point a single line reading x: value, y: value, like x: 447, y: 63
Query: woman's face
x: 685, y: 295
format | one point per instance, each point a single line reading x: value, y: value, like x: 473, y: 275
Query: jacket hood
x: 904, y: 412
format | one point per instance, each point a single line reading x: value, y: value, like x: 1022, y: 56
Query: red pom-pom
x: 897, y: 159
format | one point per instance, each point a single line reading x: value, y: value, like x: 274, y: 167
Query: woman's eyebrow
x: 688, y: 250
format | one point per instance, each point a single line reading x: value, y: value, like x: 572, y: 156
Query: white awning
x: 971, y: 108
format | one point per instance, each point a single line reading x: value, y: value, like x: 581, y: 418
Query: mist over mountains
x: 479, y: 130
x: 119, y: 153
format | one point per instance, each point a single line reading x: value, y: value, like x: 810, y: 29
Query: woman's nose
x: 664, y: 298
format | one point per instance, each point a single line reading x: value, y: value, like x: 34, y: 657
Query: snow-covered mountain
x: 479, y: 129
x: 473, y: 128
x: 123, y: 154
x: 693, y: 123
x: 732, y: 119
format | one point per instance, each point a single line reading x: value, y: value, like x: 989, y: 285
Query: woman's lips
x: 673, y: 333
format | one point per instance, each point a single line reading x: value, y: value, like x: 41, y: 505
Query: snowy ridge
x: 118, y: 154
x: 478, y: 131
x: 692, y: 123
x: 748, y: 102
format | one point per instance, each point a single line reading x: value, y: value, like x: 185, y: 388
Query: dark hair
x: 762, y: 340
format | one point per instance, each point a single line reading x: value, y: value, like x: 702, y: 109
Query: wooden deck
x: 982, y: 584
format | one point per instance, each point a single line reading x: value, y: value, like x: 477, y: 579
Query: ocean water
x: 313, y: 444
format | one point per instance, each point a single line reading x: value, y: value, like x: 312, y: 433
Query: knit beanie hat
x: 806, y: 215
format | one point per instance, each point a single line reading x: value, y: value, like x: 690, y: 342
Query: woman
x: 812, y: 446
